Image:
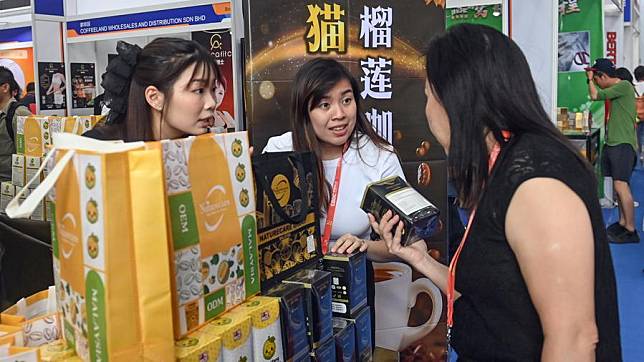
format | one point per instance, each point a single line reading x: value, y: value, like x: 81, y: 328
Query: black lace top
x: 494, y: 319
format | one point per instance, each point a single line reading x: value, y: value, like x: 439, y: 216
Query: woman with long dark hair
x: 533, y: 277
x: 165, y: 90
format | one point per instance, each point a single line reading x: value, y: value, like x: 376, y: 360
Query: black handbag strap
x: 262, y: 177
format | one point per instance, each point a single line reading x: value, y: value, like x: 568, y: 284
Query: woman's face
x: 191, y: 106
x: 437, y: 118
x: 220, y: 92
x: 334, y: 117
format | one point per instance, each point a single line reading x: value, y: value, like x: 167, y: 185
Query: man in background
x: 9, y: 112
x: 29, y: 100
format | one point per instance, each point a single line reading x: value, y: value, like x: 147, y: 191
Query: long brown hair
x: 312, y: 83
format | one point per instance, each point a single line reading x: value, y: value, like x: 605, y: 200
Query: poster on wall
x: 219, y: 43
x: 83, y: 84
x: 489, y: 15
x: 383, y: 50
x: 574, y: 51
x: 21, y: 63
x: 51, y: 80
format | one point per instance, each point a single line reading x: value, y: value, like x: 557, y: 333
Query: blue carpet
x: 629, y: 262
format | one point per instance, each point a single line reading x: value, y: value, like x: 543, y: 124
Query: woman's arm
x: 549, y: 230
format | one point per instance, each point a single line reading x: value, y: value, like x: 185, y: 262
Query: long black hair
x: 312, y: 83
x: 483, y: 81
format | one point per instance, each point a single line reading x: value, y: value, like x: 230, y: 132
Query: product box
x: 235, y: 333
x: 37, y: 316
x: 56, y: 351
x: 319, y: 316
x: 32, y: 164
x: 349, y: 282
x: 19, y: 354
x: 265, y: 316
x: 212, y: 228
x: 419, y: 216
x: 18, y: 170
x: 33, y: 133
x: 39, y: 212
x: 7, y: 192
x: 344, y: 333
x: 362, y: 324
x: 198, y: 346
x: 325, y: 353
x: 293, y: 320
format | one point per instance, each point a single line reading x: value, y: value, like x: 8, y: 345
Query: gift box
x: 235, y: 333
x: 198, y: 347
x: 344, y: 334
x: 362, y: 323
x: 265, y: 317
x: 349, y: 282
x: 325, y: 353
x: 18, y: 170
x: 7, y: 192
x: 293, y: 320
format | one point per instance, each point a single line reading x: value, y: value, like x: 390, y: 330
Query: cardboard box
x: 18, y: 170
x: 344, y: 333
x: 295, y: 340
x: 325, y: 353
x: 197, y: 347
x: 32, y: 164
x: 235, y: 333
x: 362, y: 323
x: 319, y: 317
x: 7, y: 192
x: 349, y: 282
x: 265, y: 316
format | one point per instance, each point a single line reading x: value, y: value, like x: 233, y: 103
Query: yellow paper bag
x: 110, y: 248
x: 34, y: 133
x: 212, y: 226
x: 11, y: 335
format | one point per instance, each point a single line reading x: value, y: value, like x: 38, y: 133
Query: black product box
x: 319, y: 317
x: 324, y: 353
x: 344, y: 333
x: 293, y: 318
x: 420, y: 217
x: 362, y: 323
x: 349, y: 282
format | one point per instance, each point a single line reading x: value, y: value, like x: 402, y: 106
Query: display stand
x: 33, y: 34
x: 587, y: 142
x: 90, y: 38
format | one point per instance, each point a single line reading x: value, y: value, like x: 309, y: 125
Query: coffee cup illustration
x: 396, y: 295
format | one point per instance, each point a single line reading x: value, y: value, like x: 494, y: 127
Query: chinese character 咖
x: 375, y: 28
x: 326, y: 30
x: 381, y: 122
x: 376, y: 80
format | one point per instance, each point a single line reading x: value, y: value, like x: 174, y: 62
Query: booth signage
x: 187, y: 16
x: 13, y: 35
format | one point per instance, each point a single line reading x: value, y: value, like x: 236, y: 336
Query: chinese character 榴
x: 377, y: 78
x: 326, y: 29
x: 382, y: 123
x: 375, y: 27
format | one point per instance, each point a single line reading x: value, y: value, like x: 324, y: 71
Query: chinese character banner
x: 382, y: 44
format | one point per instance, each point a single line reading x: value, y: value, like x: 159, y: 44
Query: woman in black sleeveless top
x: 534, y: 280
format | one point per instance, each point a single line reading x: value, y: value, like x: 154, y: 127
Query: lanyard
x: 451, y: 277
x: 333, y: 203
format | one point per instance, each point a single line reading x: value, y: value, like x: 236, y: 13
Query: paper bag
x: 38, y: 317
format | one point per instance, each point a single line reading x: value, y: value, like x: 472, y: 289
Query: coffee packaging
x: 344, y: 333
x: 293, y: 319
x: 362, y: 323
x: 210, y: 203
x: 324, y: 353
x: 197, y: 347
x: 32, y: 164
x: 266, y: 331
x: 317, y: 291
x: 419, y: 216
x: 7, y: 192
x: 18, y: 170
x: 349, y: 282
x: 234, y: 329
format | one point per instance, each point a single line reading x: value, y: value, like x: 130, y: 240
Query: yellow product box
x: 72, y: 125
x: 19, y: 354
x: 7, y: 192
x: 235, y: 332
x: 198, y: 347
x: 266, y: 329
x: 32, y: 164
x: 37, y: 316
x: 57, y: 351
x: 34, y: 133
x: 86, y: 123
x: 11, y: 335
x: 18, y: 170
x: 212, y: 227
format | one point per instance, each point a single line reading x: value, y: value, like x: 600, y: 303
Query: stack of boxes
x: 33, y: 140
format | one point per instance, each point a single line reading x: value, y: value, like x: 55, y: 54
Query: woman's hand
x: 414, y: 254
x: 348, y: 244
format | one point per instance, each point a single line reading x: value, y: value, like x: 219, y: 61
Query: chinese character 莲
x: 375, y: 28
x: 376, y: 80
x: 326, y: 30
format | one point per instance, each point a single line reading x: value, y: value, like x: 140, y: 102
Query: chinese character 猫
x: 327, y: 33
x: 382, y: 123
x: 376, y: 80
x: 375, y: 28
x: 572, y: 7
x: 480, y: 12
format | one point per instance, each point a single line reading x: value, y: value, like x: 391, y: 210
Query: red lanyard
x: 451, y: 277
x: 332, y: 203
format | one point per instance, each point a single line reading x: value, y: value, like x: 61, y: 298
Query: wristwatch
x: 587, y: 80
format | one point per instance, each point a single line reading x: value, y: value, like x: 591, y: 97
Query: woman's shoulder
x: 368, y: 149
x: 105, y: 133
x: 281, y: 143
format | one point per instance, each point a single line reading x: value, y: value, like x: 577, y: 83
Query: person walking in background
x: 639, y: 87
x: 619, y: 153
x: 9, y: 112
x: 29, y: 100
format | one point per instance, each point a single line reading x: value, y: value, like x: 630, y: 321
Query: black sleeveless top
x: 494, y: 318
